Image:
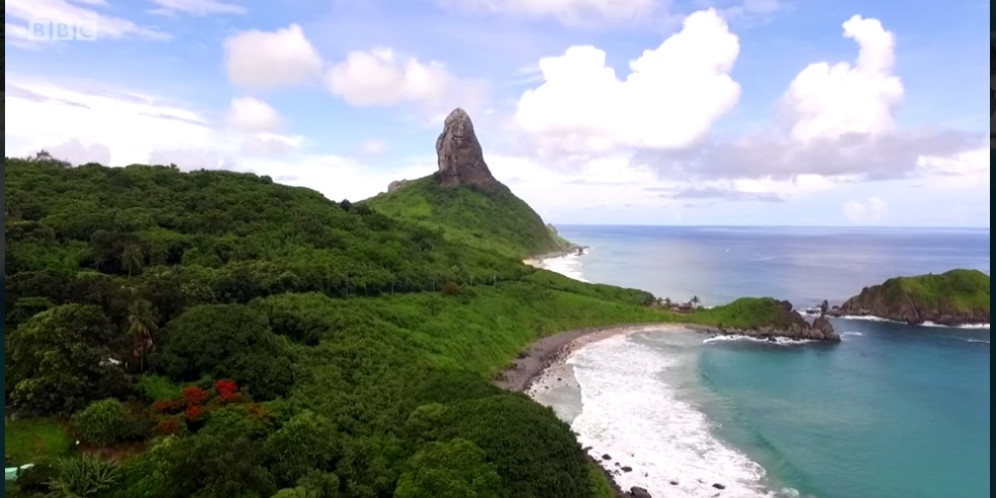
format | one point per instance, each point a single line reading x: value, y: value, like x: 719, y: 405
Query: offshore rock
x: 460, y: 159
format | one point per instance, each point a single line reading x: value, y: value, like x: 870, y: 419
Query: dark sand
x: 557, y: 347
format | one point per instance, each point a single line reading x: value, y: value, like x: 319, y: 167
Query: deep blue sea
x: 892, y: 411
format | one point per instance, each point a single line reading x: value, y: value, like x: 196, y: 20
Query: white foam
x: 872, y: 318
x: 851, y: 333
x: 965, y: 326
x: 781, y: 341
x: 633, y: 411
x: 568, y: 265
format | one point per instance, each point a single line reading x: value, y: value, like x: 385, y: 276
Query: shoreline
x: 533, y: 361
x: 536, y: 261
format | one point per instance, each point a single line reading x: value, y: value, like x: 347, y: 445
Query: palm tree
x: 132, y: 259
x: 667, y: 302
x: 695, y: 301
x: 141, y: 327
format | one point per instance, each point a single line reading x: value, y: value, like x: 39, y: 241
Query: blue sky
x: 739, y: 112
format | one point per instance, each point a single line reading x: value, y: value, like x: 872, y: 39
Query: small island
x: 957, y: 297
x: 763, y: 318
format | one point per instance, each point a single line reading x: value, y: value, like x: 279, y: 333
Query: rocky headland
x: 956, y: 297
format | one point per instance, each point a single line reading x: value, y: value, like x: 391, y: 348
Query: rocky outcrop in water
x: 956, y: 297
x: 788, y: 324
x: 460, y: 159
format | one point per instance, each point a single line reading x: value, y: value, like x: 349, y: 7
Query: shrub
x: 36, y: 479
x: 87, y: 476
x: 194, y: 395
x: 157, y: 388
x: 451, y: 289
x: 105, y: 422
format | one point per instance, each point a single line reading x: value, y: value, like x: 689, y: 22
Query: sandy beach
x: 558, y: 347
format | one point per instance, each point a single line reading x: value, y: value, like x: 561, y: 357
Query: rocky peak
x: 461, y: 161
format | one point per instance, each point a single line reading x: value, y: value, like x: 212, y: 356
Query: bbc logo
x: 63, y: 31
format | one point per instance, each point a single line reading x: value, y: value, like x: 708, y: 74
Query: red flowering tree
x: 227, y: 389
x: 194, y: 412
x: 194, y: 395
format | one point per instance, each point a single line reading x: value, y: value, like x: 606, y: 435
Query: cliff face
x: 956, y: 297
x: 460, y: 159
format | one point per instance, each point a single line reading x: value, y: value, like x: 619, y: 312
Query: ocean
x: 892, y: 411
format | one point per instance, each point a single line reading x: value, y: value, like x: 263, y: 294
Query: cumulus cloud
x: 841, y: 126
x: 381, y: 77
x: 968, y: 168
x: 670, y: 99
x: 566, y: 11
x: 249, y: 114
x: 70, y: 12
x: 196, y: 7
x: 863, y: 212
x: 831, y: 101
x: 267, y: 60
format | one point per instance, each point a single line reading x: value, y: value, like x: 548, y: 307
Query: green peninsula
x: 956, y: 297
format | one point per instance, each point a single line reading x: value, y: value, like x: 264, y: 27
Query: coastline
x: 553, y: 349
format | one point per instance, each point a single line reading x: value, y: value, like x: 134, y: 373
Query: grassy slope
x: 959, y: 290
x: 29, y: 440
x: 496, y: 221
x: 744, y: 313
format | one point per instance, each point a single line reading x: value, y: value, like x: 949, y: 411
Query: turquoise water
x: 893, y: 411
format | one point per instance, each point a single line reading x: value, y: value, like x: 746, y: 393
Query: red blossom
x: 194, y: 412
x: 194, y: 395
x: 227, y: 389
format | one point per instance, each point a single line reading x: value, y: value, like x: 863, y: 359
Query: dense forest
x: 213, y: 334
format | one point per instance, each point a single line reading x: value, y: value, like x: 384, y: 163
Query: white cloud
x: 566, y: 11
x: 373, y: 147
x: 670, y: 99
x: 827, y: 101
x: 249, y: 114
x: 268, y: 144
x: 381, y: 77
x: 79, y: 153
x: 968, y: 169
x: 43, y: 115
x: 70, y: 12
x: 268, y: 60
x: 196, y: 7
x: 863, y: 212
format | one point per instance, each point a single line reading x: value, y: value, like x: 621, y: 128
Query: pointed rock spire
x: 461, y: 161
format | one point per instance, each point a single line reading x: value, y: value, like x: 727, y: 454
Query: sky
x: 660, y: 112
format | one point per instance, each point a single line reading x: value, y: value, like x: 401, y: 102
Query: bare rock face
x: 395, y: 185
x: 461, y: 161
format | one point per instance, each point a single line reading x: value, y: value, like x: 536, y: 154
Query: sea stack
x: 461, y: 161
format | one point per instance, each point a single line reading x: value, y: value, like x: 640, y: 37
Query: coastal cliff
x: 956, y: 297
x: 764, y: 318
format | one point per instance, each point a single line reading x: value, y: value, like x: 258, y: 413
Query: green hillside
x: 228, y: 336
x: 491, y: 219
x: 954, y: 297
